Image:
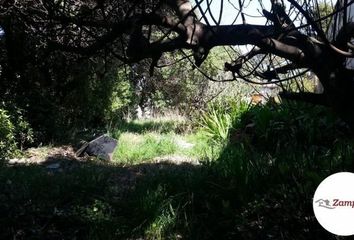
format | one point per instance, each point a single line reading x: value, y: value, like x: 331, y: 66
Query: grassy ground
x: 258, y: 184
x: 148, y: 140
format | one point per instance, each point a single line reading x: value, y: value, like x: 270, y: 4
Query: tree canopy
x: 298, y: 36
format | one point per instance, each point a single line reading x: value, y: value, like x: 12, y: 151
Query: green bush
x: 219, y: 119
x: 298, y: 124
x: 15, y: 132
x: 7, y: 137
x: 283, y: 143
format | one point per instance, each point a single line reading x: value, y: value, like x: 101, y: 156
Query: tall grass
x: 279, y: 155
x: 219, y: 118
x: 145, y: 140
x: 135, y: 148
x: 259, y: 184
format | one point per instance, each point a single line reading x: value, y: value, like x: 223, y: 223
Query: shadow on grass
x: 92, y: 200
x: 261, y: 187
x: 277, y: 156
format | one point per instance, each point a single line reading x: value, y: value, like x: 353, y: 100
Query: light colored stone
x: 102, y: 147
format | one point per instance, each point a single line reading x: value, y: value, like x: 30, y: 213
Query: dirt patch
x: 51, y: 157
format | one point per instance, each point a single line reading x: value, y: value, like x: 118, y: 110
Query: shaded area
x: 281, y: 154
x: 89, y: 200
x: 260, y: 187
x: 98, y: 201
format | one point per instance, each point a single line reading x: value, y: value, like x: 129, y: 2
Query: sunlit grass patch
x: 147, y: 139
x: 203, y: 149
x: 134, y: 148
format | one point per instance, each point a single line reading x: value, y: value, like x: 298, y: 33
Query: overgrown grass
x: 144, y: 140
x: 219, y: 119
x: 135, y: 148
x: 158, y: 125
x: 258, y: 184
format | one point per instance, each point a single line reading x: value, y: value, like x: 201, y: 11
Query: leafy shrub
x: 23, y: 131
x: 15, y: 131
x: 220, y: 117
x: 216, y: 123
x: 300, y: 125
x: 7, y: 137
x: 283, y: 143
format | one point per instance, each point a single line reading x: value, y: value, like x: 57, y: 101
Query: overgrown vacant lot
x: 227, y: 114
x: 173, y: 180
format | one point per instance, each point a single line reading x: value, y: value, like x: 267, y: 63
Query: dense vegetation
x: 197, y: 156
x: 66, y: 95
x: 257, y: 183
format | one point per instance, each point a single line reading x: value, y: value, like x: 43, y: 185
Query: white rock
x: 102, y: 147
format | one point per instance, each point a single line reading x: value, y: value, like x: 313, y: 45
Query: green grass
x: 135, y: 148
x: 158, y: 125
x: 145, y: 140
x: 258, y: 184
